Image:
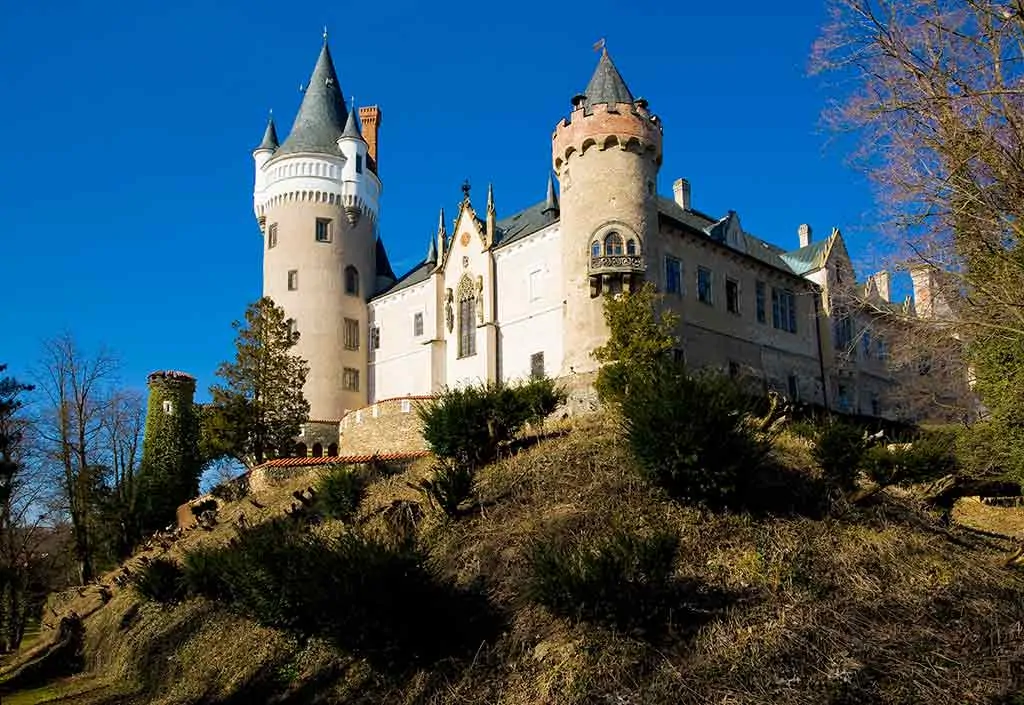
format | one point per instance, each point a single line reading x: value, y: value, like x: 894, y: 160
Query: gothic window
x: 631, y: 247
x: 613, y: 244
x: 332, y: 450
x: 351, y: 281
x: 595, y: 249
x: 300, y: 450
x: 351, y: 334
x: 467, y: 318
x: 318, y: 450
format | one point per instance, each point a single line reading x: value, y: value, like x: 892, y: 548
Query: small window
x: 293, y: 327
x: 293, y: 279
x: 595, y: 249
x: 168, y: 407
x: 300, y: 450
x: 673, y: 276
x: 406, y: 406
x: 613, y: 244
x: 351, y: 281
x: 794, y: 388
x: 417, y: 324
x: 732, y: 296
x: 350, y: 383
x: 351, y: 334
x: 534, y: 285
x: 318, y: 450
x: 272, y: 236
x: 374, y: 337
x: 332, y: 450
x: 537, y: 365
x: 881, y: 348
x: 631, y: 247
x: 784, y: 310
x: 865, y: 342
x: 323, y: 229
x: 704, y: 285
x: 760, y: 296
x: 359, y: 163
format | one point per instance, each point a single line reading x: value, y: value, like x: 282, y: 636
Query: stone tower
x: 606, y: 156
x: 316, y: 199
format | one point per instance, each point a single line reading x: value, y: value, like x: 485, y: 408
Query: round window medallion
x: 464, y: 239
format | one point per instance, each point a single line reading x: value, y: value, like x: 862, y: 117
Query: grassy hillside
x: 873, y: 604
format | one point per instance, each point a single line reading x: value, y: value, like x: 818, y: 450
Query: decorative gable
x: 728, y: 231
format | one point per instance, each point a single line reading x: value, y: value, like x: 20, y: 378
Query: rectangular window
x: 351, y: 334
x: 417, y: 324
x: 732, y: 296
x: 537, y: 365
x: 293, y: 327
x: 168, y: 407
x: 734, y: 369
x: 843, y: 333
x: 293, y: 279
x: 704, y: 285
x: 784, y: 310
x: 794, y: 388
x: 374, y: 337
x: 272, y: 236
x: 673, y: 276
x: 350, y: 382
x: 359, y: 163
x: 406, y: 406
x: 881, y: 349
x: 865, y: 342
x: 759, y: 294
x: 534, y: 285
x: 323, y: 229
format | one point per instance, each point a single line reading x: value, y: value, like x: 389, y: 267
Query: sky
x: 127, y: 174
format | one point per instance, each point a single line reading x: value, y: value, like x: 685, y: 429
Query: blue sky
x: 126, y: 192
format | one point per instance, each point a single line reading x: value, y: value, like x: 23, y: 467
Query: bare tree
x: 76, y: 401
x: 120, y: 450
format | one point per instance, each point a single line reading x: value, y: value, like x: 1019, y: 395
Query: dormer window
x: 613, y: 244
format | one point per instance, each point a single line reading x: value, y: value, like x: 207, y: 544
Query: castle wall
x: 530, y: 309
x: 401, y: 366
x: 389, y: 426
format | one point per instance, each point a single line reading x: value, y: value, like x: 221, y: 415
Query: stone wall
x: 389, y: 426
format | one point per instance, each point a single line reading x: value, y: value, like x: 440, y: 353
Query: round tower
x: 316, y: 200
x: 606, y: 155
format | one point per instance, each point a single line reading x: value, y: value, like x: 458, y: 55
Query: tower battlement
x: 628, y: 126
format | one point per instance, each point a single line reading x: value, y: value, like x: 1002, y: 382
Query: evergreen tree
x: 258, y: 410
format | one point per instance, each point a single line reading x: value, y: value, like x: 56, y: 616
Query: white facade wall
x: 530, y: 308
x: 401, y: 366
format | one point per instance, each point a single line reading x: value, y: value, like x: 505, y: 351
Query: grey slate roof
x: 418, y: 274
x: 321, y: 117
x: 352, y: 128
x: 383, y: 263
x: 525, y: 222
x: 269, y: 136
x: 551, y: 200
x: 606, y: 85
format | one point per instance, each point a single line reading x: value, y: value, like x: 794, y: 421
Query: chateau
x: 501, y: 297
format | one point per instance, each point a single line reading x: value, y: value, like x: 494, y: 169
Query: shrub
x: 839, y: 450
x: 452, y: 484
x: 621, y: 578
x: 929, y: 457
x: 161, y: 580
x: 538, y: 399
x: 690, y: 434
x: 339, y: 491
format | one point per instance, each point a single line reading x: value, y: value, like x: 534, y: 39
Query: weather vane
x: 599, y: 45
x: 325, y: 34
x: 465, y: 189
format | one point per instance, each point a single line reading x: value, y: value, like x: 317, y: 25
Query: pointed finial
x: 325, y: 34
x: 440, y: 223
x: 600, y: 45
x: 465, y: 190
x: 432, y: 251
x: 490, y: 198
x: 551, y: 200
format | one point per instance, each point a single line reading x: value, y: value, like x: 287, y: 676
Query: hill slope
x: 879, y: 605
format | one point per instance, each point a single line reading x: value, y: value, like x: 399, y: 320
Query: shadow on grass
x: 776, y: 490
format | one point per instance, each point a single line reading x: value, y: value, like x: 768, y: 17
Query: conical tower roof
x: 269, y: 136
x: 352, y: 128
x: 383, y: 263
x: 551, y: 200
x: 321, y: 117
x: 606, y: 85
x: 432, y: 252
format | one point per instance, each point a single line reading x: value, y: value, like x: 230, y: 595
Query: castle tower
x: 606, y: 156
x: 316, y: 199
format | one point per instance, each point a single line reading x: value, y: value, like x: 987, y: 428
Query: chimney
x: 681, y: 192
x: 924, y: 305
x: 882, y: 283
x: 804, y: 232
x: 369, y: 116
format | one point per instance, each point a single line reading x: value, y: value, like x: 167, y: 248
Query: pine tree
x: 258, y: 410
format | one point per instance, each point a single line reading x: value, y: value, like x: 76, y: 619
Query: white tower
x: 316, y: 198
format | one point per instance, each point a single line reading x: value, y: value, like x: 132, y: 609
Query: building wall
x: 389, y: 426
x: 401, y: 366
x: 530, y: 304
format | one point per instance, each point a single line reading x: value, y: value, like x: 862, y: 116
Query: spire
x: 490, y: 198
x: 383, y: 263
x: 432, y: 252
x: 352, y: 127
x: 321, y: 117
x: 441, y: 231
x: 606, y: 85
x: 269, y: 136
x: 551, y: 201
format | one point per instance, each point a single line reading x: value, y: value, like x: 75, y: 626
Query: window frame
x: 350, y: 333
x: 706, y: 292
x: 535, y: 358
x: 351, y: 290
x: 613, y: 241
x: 350, y: 380
x: 761, y: 301
x: 732, y: 303
x: 328, y: 224
x: 669, y: 260
x: 293, y: 280
x: 272, y: 236
x: 417, y: 324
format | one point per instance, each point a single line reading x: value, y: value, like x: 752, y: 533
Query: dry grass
x: 878, y: 605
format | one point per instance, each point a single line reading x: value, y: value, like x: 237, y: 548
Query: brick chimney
x: 369, y: 116
x: 804, y: 232
x: 883, y: 281
x: 681, y: 192
x: 924, y: 291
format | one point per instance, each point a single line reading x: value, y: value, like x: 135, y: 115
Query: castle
x: 501, y: 298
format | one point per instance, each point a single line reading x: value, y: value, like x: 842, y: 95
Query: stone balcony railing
x: 617, y: 263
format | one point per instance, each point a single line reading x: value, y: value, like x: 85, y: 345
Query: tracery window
x: 467, y: 318
x: 613, y: 244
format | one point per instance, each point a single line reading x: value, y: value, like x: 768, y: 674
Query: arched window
x: 318, y: 450
x: 595, y: 249
x: 613, y: 244
x: 631, y: 246
x: 351, y: 281
x: 467, y: 318
x: 300, y: 450
x: 332, y: 450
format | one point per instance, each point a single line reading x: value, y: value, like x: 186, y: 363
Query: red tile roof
x: 341, y: 459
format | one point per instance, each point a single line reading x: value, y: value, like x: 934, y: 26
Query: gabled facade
x: 498, y: 299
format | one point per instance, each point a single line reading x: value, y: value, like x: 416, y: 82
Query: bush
x: 339, y: 491
x: 621, y: 578
x: 929, y: 457
x: 539, y: 399
x: 690, y: 434
x: 161, y: 580
x: 839, y: 450
x: 451, y: 485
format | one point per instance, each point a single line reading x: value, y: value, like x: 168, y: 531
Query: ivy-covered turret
x: 171, y: 463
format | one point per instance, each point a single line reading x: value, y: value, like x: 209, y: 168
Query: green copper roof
x: 321, y: 117
x: 808, y: 259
